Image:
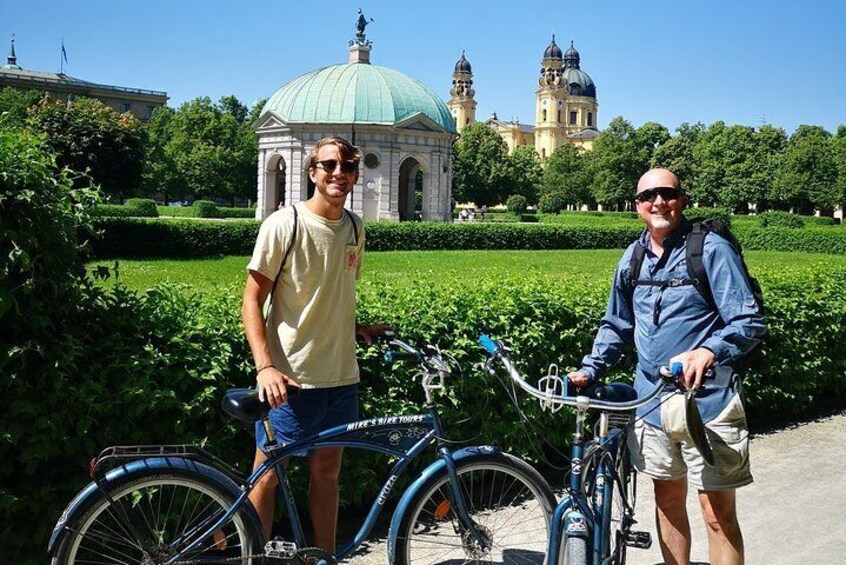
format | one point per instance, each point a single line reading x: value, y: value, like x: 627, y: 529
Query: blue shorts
x: 312, y: 411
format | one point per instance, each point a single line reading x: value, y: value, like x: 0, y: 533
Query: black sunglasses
x: 329, y: 165
x: 667, y: 193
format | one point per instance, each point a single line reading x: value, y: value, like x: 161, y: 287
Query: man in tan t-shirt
x: 308, y: 337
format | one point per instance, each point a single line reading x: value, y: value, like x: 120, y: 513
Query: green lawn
x: 409, y: 267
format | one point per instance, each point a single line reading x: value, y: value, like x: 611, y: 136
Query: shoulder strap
x: 287, y: 252
x: 355, y: 226
x: 635, y: 264
x: 695, y: 265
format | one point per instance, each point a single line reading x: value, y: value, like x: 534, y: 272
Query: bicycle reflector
x: 551, y: 385
x: 442, y: 510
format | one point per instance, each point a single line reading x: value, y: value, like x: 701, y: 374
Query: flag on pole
x: 64, y: 53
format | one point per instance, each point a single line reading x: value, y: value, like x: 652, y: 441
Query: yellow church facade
x: 565, y: 105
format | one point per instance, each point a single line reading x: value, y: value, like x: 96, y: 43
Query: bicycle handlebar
x: 497, y: 352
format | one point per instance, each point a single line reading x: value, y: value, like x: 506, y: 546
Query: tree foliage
x: 524, y: 172
x: 480, y: 166
x: 617, y: 161
x: 15, y: 105
x: 88, y: 136
x: 566, y: 173
x: 807, y: 178
x: 202, y: 150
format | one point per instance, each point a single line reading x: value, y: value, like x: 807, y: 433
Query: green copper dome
x: 357, y: 94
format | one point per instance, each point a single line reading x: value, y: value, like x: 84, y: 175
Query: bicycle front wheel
x: 509, y: 503
x: 574, y: 552
x: 153, y: 518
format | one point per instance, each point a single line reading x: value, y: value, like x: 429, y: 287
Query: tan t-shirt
x: 311, y: 323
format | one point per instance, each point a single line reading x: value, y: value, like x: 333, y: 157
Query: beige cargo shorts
x: 668, y: 453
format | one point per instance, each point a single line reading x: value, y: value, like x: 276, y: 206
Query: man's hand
x: 578, y: 378
x: 695, y: 364
x: 367, y: 333
x: 273, y: 385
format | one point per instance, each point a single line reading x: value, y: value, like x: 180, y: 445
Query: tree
x: 677, y: 155
x: 566, y: 172
x: 480, y: 166
x: 255, y: 111
x: 838, y: 147
x: 807, y: 178
x: 203, y: 150
x: 87, y: 135
x: 14, y: 105
x: 524, y: 172
x: 616, y: 163
x: 651, y: 136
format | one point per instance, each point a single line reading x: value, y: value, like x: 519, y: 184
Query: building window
x: 150, y: 112
x: 466, y: 121
x: 126, y: 107
x: 543, y: 118
x: 543, y: 153
x: 559, y: 116
x: 590, y: 119
x: 371, y: 160
x: 572, y: 118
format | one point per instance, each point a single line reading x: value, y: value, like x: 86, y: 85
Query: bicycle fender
x: 436, y: 468
x: 124, y: 473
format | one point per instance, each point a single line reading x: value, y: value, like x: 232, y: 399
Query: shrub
x: 819, y: 220
x: 779, y: 219
x: 114, y: 211
x: 516, y: 204
x: 552, y: 203
x: 143, y: 207
x: 699, y: 214
x: 809, y: 239
x: 242, y: 213
x: 205, y: 209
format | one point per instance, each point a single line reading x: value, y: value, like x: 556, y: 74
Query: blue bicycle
x: 593, y: 522
x: 180, y: 505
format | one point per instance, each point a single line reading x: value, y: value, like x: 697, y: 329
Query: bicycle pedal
x: 280, y: 549
x: 642, y: 540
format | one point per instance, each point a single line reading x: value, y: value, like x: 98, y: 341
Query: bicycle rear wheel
x: 155, y: 517
x: 510, y: 505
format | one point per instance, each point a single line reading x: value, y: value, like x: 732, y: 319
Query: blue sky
x: 741, y: 61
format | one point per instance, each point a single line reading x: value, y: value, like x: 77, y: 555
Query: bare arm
x: 271, y: 383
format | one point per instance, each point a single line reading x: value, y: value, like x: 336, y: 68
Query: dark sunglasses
x: 667, y: 193
x: 329, y: 165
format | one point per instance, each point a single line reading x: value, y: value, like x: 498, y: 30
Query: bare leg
x: 671, y: 518
x: 725, y: 540
x: 263, y: 495
x: 325, y: 466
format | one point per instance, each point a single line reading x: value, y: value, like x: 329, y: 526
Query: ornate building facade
x: 59, y: 86
x: 404, y: 130
x: 565, y: 104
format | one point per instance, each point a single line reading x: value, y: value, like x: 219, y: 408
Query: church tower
x: 550, y: 100
x: 462, y: 105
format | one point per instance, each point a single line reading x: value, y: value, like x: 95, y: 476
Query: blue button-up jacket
x: 665, y: 322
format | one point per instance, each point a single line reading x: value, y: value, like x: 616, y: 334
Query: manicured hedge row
x: 152, y: 368
x: 126, y: 237
x: 131, y: 237
x: 809, y: 239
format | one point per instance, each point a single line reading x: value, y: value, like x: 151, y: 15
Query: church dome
x: 571, y: 57
x: 552, y: 51
x: 357, y: 94
x: 578, y: 82
x: 463, y: 65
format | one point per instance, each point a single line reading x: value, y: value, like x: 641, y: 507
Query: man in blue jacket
x: 675, y: 322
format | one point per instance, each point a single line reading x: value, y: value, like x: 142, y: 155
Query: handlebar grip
x: 393, y: 356
x: 677, y: 368
x: 490, y: 345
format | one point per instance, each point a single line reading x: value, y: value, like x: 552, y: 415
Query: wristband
x: 263, y: 367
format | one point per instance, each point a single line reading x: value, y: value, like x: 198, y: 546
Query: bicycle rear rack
x: 109, y: 457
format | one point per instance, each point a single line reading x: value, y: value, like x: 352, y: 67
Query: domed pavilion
x: 404, y: 131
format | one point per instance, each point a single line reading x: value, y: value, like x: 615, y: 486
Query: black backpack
x: 697, y: 276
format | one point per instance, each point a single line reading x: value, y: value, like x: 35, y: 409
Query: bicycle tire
x: 508, y: 501
x: 102, y: 533
x: 574, y: 552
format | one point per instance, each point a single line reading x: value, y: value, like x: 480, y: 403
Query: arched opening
x: 275, y: 181
x: 412, y: 179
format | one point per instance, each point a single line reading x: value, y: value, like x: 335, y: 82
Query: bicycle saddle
x: 243, y: 404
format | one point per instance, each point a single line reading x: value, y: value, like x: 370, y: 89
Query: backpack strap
x: 635, y: 264
x: 355, y: 226
x: 695, y: 265
x: 287, y: 253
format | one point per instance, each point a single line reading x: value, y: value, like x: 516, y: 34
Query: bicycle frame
x: 403, y: 437
x: 575, y: 516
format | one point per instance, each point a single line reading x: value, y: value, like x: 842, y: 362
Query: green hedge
x: 779, y: 219
x: 151, y: 368
x: 127, y: 237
